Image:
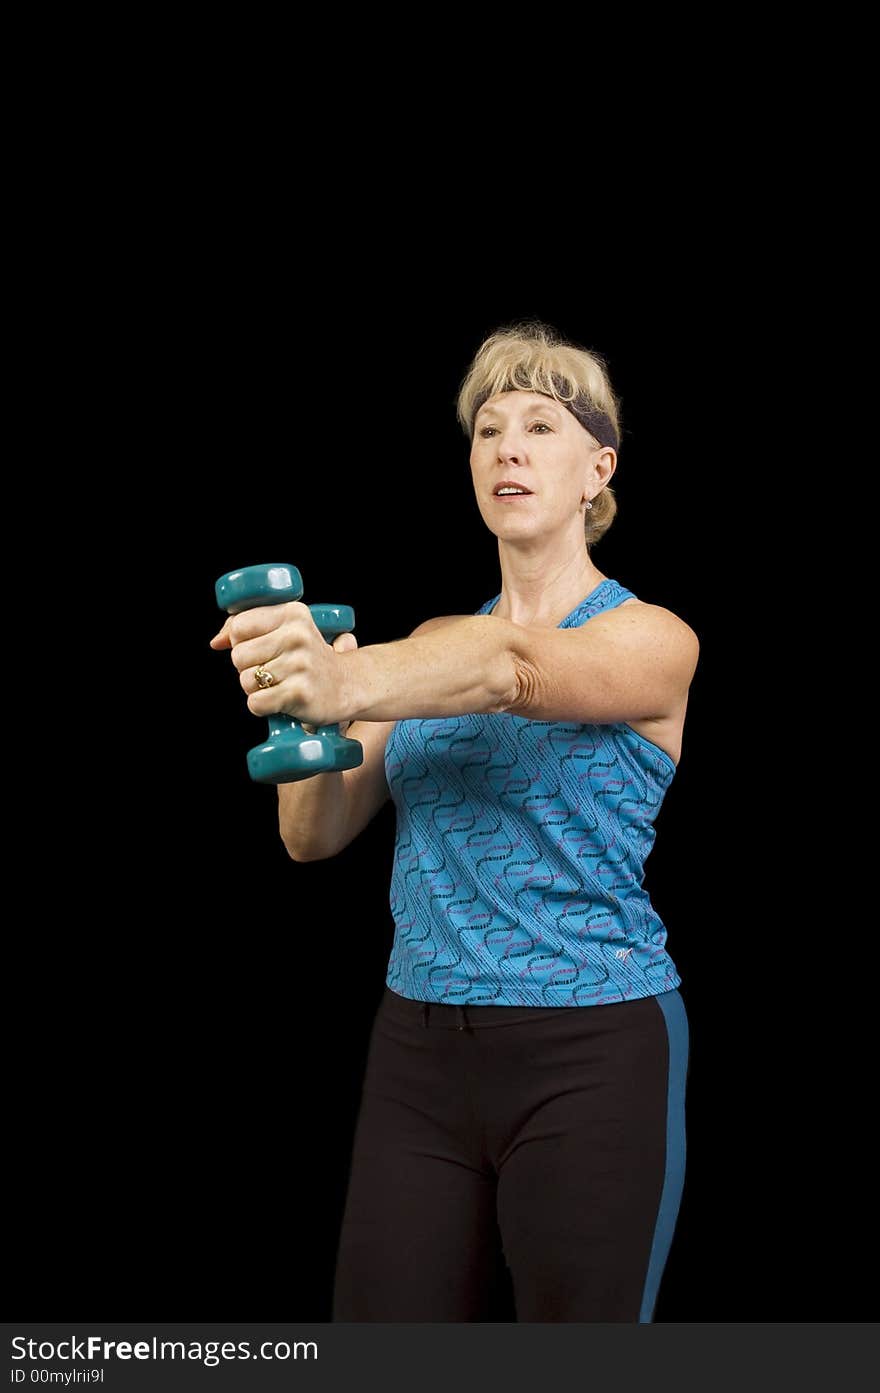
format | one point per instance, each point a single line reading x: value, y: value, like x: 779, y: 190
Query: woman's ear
x: 606, y: 463
x: 601, y: 466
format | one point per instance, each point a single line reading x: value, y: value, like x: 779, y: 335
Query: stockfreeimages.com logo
x: 95, y: 1348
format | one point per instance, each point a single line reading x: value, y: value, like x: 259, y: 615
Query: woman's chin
x: 514, y: 526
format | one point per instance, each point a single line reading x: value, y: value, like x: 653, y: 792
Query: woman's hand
x: 285, y: 639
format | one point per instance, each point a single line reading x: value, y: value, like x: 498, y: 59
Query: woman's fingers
x: 290, y: 661
x: 248, y: 676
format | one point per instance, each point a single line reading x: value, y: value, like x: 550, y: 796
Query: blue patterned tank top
x: 519, y: 856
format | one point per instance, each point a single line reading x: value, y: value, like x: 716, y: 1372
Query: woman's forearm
x: 464, y: 667
x: 312, y: 812
x: 311, y: 815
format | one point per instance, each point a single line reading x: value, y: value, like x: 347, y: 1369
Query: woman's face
x: 529, y: 439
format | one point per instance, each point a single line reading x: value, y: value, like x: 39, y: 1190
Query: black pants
x: 558, y: 1133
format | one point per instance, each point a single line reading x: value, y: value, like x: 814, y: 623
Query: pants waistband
x: 449, y: 1016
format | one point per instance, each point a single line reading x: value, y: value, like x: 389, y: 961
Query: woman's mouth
x: 507, y: 489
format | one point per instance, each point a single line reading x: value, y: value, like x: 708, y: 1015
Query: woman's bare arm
x: 319, y: 816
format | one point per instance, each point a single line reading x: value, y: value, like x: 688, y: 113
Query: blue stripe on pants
x: 678, y: 1033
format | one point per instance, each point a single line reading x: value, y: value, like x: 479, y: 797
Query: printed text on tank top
x: 665, y: 731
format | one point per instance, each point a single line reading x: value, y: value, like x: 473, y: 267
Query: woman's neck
x: 545, y: 601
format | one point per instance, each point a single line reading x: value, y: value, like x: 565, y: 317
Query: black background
x: 189, y: 1008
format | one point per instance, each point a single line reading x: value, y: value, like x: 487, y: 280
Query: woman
x: 525, y: 1080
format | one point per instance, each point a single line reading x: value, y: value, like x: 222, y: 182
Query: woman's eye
x: 535, y: 423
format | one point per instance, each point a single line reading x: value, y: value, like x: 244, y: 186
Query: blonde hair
x: 526, y: 356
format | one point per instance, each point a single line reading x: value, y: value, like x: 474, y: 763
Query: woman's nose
x: 509, y: 446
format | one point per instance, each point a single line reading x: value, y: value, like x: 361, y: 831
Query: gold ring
x: 263, y: 677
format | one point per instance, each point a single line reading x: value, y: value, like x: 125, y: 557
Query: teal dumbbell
x: 290, y: 752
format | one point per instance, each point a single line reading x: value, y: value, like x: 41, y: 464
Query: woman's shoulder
x: 661, y: 611
x: 670, y: 630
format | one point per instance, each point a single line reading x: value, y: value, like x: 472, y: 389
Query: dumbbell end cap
x: 273, y: 583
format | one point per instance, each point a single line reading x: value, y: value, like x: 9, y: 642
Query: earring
x: 589, y: 504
